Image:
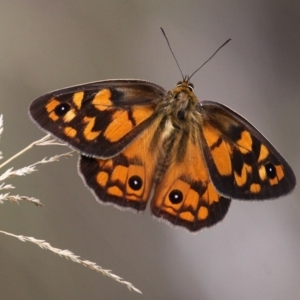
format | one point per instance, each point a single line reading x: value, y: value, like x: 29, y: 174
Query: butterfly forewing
x: 99, y: 119
x: 241, y: 162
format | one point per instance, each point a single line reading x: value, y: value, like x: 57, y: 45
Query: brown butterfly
x: 134, y: 137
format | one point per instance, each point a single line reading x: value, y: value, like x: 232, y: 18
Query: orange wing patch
x: 185, y: 195
x: 220, y: 150
x: 125, y: 180
x: 124, y: 121
x: 102, y: 100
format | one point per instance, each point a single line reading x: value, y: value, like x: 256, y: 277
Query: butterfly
x: 138, y: 141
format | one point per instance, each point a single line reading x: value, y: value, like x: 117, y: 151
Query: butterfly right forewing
x: 98, y: 119
x: 241, y: 162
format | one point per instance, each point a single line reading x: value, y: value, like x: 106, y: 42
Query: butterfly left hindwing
x: 134, y: 137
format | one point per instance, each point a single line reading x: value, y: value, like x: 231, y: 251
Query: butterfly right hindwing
x: 127, y: 179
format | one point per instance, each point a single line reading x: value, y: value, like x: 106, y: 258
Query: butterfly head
x: 183, y: 100
x: 185, y: 82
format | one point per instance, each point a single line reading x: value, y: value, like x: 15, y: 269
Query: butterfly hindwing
x: 185, y: 194
x: 99, y: 119
x: 241, y: 162
x: 125, y: 180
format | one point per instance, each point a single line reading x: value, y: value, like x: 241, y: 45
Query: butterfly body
x: 135, y: 137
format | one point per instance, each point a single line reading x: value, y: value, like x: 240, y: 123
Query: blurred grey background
x: 44, y: 45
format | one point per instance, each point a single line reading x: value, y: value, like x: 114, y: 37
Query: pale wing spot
x: 53, y: 116
x: 70, y: 132
x: 119, y: 126
x: 263, y: 154
x: 69, y: 116
x: 102, y: 178
x: 222, y: 159
x: 88, y: 134
x: 102, y: 100
x: 115, y: 191
x: 262, y: 173
x: 245, y: 142
x: 187, y: 216
x: 279, y: 175
x: 219, y: 150
x: 50, y: 107
x: 241, y: 179
x: 203, y: 213
x: 248, y: 168
x: 279, y: 172
x: 274, y: 181
x: 77, y: 99
x: 108, y: 163
x: 120, y: 174
x: 255, y: 188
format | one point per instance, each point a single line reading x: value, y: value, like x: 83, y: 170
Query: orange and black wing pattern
x: 125, y: 180
x: 184, y: 195
x: 242, y: 164
x: 98, y: 119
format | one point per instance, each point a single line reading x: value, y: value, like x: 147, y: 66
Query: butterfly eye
x: 191, y: 87
x: 135, y: 182
x: 62, y: 109
x: 270, y: 170
x: 179, y: 83
x: 175, y: 196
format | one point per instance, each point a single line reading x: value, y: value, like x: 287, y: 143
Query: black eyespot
x: 135, y: 182
x: 191, y: 87
x: 176, y: 196
x: 61, y: 109
x: 270, y: 170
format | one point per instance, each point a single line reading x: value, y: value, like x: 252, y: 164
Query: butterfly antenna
x: 172, y: 52
x: 209, y: 58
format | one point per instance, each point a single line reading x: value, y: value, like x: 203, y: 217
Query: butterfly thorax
x: 182, y: 106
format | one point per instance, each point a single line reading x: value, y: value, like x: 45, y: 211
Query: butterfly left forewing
x: 101, y: 118
x: 242, y: 164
